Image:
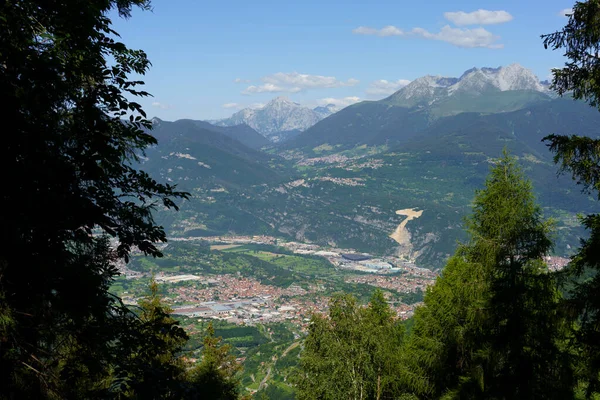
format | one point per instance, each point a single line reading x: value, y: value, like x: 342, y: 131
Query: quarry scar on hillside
x: 401, y: 234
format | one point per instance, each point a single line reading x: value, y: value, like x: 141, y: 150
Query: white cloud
x: 342, y: 102
x: 365, y: 30
x: 239, y: 106
x: 385, y: 31
x: 460, y: 37
x: 565, y: 12
x: 240, y: 80
x: 162, y: 106
x: 306, y: 81
x: 384, y: 87
x: 270, y: 88
x: 294, y: 82
x: 479, y: 17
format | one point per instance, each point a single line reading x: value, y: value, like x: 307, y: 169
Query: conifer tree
x: 217, y: 375
x: 152, y: 367
x: 489, y: 327
x: 580, y: 156
x: 436, y: 353
x: 383, y: 336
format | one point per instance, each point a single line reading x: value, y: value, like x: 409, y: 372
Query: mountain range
x: 429, y: 147
x: 431, y: 90
x: 413, y: 108
x: 279, y: 119
x: 512, y: 87
x: 201, y: 153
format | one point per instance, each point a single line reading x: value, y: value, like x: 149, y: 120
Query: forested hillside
x: 348, y: 198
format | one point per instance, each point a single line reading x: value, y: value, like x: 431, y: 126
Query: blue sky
x: 212, y: 57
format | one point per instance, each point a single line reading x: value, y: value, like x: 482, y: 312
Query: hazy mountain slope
x: 326, y: 111
x: 492, y: 102
x: 352, y: 203
x: 279, y: 116
x: 413, y: 108
x: 242, y: 133
x: 362, y: 123
x: 188, y: 152
x: 521, y: 130
x: 436, y: 171
x: 284, y: 136
x: 430, y: 162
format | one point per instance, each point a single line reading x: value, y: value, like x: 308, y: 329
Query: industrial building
x: 356, y: 257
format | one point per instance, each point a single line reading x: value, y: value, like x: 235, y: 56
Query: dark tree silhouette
x: 70, y: 138
x: 580, y: 156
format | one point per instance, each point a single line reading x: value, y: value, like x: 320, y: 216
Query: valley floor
x: 261, y: 292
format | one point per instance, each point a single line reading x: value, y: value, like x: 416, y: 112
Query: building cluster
x: 404, y: 311
x: 296, y: 183
x: 244, y: 300
x: 242, y: 239
x: 257, y: 310
x: 556, y: 263
x: 347, y: 163
x: 241, y: 300
x: 331, y: 159
x: 399, y: 283
x: 363, y: 263
x: 348, y: 259
x: 342, y: 181
x: 228, y: 287
x: 373, y: 164
x: 301, y: 248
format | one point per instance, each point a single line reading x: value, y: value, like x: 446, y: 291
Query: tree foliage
x: 352, y: 352
x: 580, y: 41
x: 580, y: 157
x: 217, y: 375
x: 70, y: 140
x: 489, y: 327
x: 149, y: 363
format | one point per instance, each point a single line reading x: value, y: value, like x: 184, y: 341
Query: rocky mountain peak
x: 281, y: 101
x: 326, y: 110
x: 279, y: 115
x: 429, y: 89
x: 510, y: 77
x: 422, y: 91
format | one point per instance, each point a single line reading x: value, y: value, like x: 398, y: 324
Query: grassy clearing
x: 224, y: 246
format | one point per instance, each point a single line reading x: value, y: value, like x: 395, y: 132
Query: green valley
x: 348, y: 196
